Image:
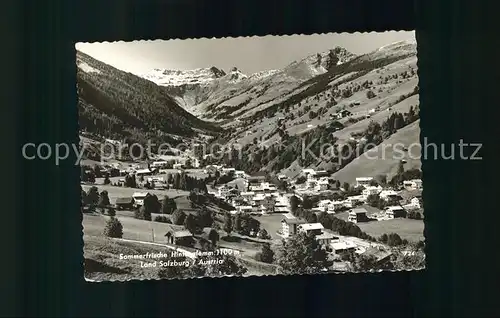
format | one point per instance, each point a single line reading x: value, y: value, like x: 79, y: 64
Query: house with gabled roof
x: 290, y: 226
x: 124, y: 203
x: 311, y: 228
x: 179, y: 237
x: 358, y: 215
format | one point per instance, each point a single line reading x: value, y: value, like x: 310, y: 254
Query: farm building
x: 182, y: 237
x: 358, y: 215
x: 124, y: 203
x: 139, y: 198
x: 393, y: 212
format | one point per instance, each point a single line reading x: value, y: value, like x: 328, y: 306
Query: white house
x: 388, y: 194
x: 311, y: 184
x: 144, y: 172
x: 324, y: 203
x: 195, y: 163
x: 282, y: 177
x: 324, y: 238
x: 259, y: 197
x: 282, y: 204
x: 223, y: 190
x: 334, y: 206
x: 307, y: 172
x: 416, y: 202
x: 321, y: 174
x: 156, y: 179
x: 248, y: 195
x: 363, y: 181
x: 358, y: 215
x: 263, y: 187
x: 177, y: 166
x: 370, y: 190
x: 289, y: 226
x: 240, y: 174
x: 354, y: 200
x: 228, y: 170
x: 159, y: 164
x: 342, y: 246
x: 343, y: 113
x: 244, y: 208
x: 393, y: 212
x: 211, y: 169
x: 321, y: 185
x: 139, y: 198
x: 415, y: 184
x: 315, y: 228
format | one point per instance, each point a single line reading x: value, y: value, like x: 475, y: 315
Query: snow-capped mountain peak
x: 263, y: 74
x: 319, y: 63
x: 235, y: 75
x: 182, y: 77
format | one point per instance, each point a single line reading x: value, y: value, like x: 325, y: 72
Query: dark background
x: 42, y: 250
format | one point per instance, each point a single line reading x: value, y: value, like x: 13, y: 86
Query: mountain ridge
x: 219, y: 99
x: 266, y: 113
x: 114, y: 102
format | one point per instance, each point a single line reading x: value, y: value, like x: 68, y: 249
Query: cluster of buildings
x: 337, y: 244
x: 213, y: 169
x: 291, y: 225
x: 316, y: 181
x: 350, y: 202
x: 254, y: 195
x: 389, y: 195
x: 176, y: 162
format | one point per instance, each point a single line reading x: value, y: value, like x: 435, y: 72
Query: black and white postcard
x: 250, y: 156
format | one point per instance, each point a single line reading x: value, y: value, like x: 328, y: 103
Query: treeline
x: 376, y: 133
x: 181, y: 181
x: 95, y: 201
x: 278, y: 156
x: 243, y: 224
x: 282, y: 154
x: 185, y: 182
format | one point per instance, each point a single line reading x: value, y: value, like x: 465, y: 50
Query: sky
x: 248, y: 54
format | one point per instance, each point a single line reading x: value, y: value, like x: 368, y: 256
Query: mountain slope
x: 317, y: 101
x: 372, y: 87
x: 388, y: 158
x: 214, y: 95
x: 116, y: 103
